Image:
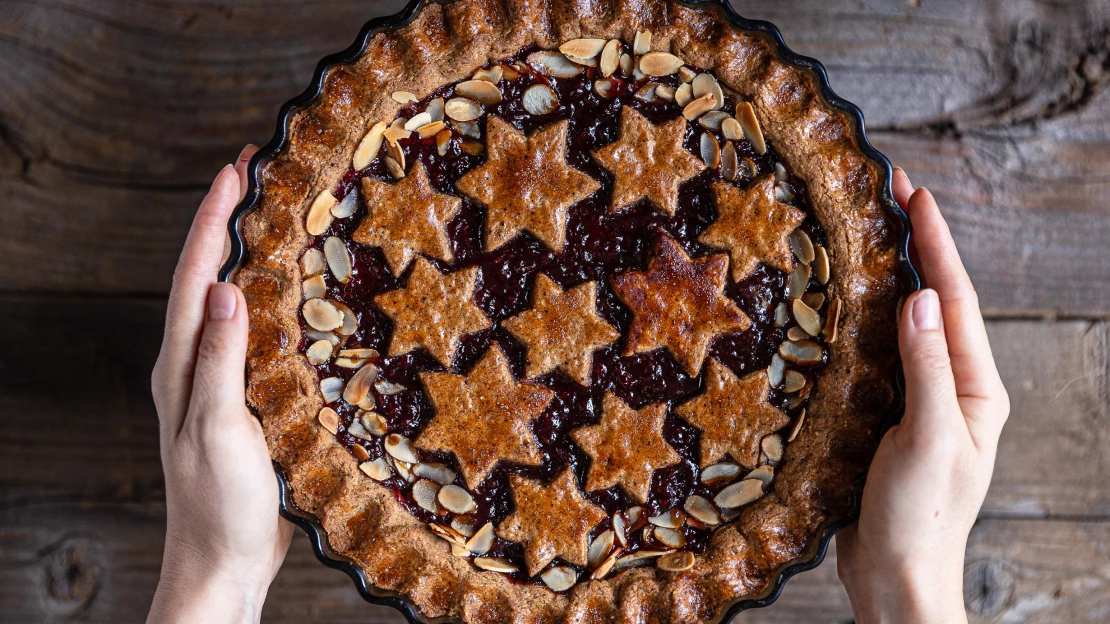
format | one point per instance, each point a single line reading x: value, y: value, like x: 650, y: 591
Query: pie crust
x: 813, y: 483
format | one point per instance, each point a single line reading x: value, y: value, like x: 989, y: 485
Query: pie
x: 572, y: 311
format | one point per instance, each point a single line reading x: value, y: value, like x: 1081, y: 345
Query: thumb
x: 930, y: 386
x: 218, y: 380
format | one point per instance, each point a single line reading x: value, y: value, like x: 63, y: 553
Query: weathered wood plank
x: 116, y: 117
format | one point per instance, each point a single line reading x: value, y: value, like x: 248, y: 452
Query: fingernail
x: 926, y: 310
x: 243, y: 157
x: 221, y: 301
x: 905, y: 174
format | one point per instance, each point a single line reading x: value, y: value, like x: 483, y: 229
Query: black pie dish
x: 762, y: 29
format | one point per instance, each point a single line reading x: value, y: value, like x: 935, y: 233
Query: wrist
x: 907, y: 595
x: 193, y: 589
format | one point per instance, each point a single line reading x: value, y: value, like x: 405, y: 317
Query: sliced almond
x: 494, y: 564
x: 671, y: 519
x: 676, y: 561
x: 313, y: 262
x: 781, y: 314
x: 403, y: 469
x: 710, y: 150
x: 748, y: 167
x: 808, y: 318
x: 471, y: 146
x: 701, y: 509
x: 554, y: 64
x: 802, y: 246
x: 357, y: 430
x: 583, y: 48
x: 796, y: 333
x: 424, y: 493
x: 462, y: 109
x: 739, y: 494
x: 459, y: 551
x: 773, y: 447
x: 449, y: 533
x: 600, y: 548
x: 322, y: 315
x: 683, y: 95
x: 465, y: 526
x: 369, y: 147
x: 606, y: 566
x: 376, y: 425
x: 480, y: 91
x: 377, y: 469
x: 784, y: 192
x: 420, y: 119
x: 400, y: 447
x: 443, y: 141
x: 346, y: 206
x: 793, y: 381
x: 456, y: 500
x: 359, y: 384
x: 797, y: 426
x: 396, y: 132
x: 745, y: 114
x: 493, y: 74
x: 559, y: 578
x: 706, y: 84
x: 388, y: 388
x: 604, y: 87
x: 833, y: 322
x: 319, y: 214
x: 803, y: 352
x: 482, y: 540
x: 638, y: 557
x: 331, y: 388
x: 368, y: 404
x: 436, y: 472
x: 539, y: 99
x: 647, y: 92
x: 435, y: 109
x: 780, y: 172
x: 319, y: 352
x: 610, y: 58
x: 659, y: 63
x: 636, y: 517
x: 511, y: 73
x: 620, y: 528
x: 350, y: 321
x: 729, y: 162
x: 431, y: 129
x: 665, y: 93
x: 731, y: 130
x: 404, y: 97
x: 776, y: 371
x: 672, y: 538
x: 799, y: 279
x: 642, y: 43
x: 720, y: 474
x: 396, y: 169
x: 713, y: 120
x: 314, y: 288
x: 627, y: 65
x: 765, y: 473
x: 698, y: 107
x: 329, y: 419
x: 360, y: 353
x: 821, y: 265
x: 685, y: 74
x: 339, y: 259
x: 814, y: 300
x: 359, y: 451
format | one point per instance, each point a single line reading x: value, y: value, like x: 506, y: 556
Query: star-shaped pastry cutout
x: 626, y: 447
x: 649, y: 161
x: 483, y: 416
x: 752, y: 226
x: 433, y: 311
x: 733, y: 415
x: 550, y: 521
x: 526, y: 184
x: 562, y: 329
x: 679, y: 304
x: 407, y: 218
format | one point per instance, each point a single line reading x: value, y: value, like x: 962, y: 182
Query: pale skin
x: 902, y: 562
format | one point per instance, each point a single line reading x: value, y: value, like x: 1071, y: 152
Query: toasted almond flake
x: 671, y: 519
x: 472, y: 146
x: 801, y: 352
x: 459, y: 551
x: 659, y: 63
x: 636, y: 517
x: 821, y: 265
x: 448, y: 533
x: 701, y: 509
x: 775, y: 371
x: 350, y: 321
x: 713, y: 120
x: 346, y: 206
x: 329, y: 419
x: 377, y: 469
x: 781, y: 313
x: 368, y: 148
x: 583, y: 48
x: 799, y: 279
x: 436, y: 472
x: 396, y: 132
x: 833, y: 322
x: 404, y: 97
x: 600, y: 548
x: 706, y: 84
x: 676, y: 561
x: 359, y: 353
x: 435, y: 109
x: 731, y: 130
x: 465, y: 526
x: 494, y: 564
x: 647, y: 92
x: 468, y: 129
x: 748, y: 167
x: 443, y: 141
x: 628, y: 65
x: 462, y: 109
x: 814, y: 300
x: 554, y: 64
x: 359, y: 451
x: 374, y: 423
x: 606, y: 566
x: 793, y: 381
x: 331, y: 388
x: 784, y: 192
x: 671, y: 538
x: 314, y: 288
x: 720, y: 474
x: 395, y: 154
x: 539, y: 99
x: 794, y: 401
x: 802, y: 246
x: 739, y: 494
x: 665, y: 93
x: 808, y: 318
x: 480, y: 91
x: 357, y: 430
x: 396, y: 169
x: 797, y: 426
x: 745, y: 114
x: 511, y: 73
x: 420, y: 119
x: 710, y: 150
x: 400, y: 447
x: 559, y: 578
x: 321, y: 315
x: 604, y: 87
x: 493, y: 74
x: 610, y: 58
x: 646, y: 534
x: 796, y: 333
x: 772, y: 447
x: 780, y: 172
x: 765, y: 473
x: 403, y: 469
x: 729, y: 163
x: 368, y: 404
x: 620, y: 529
x: 319, y: 352
x: 388, y: 388
x: 313, y: 262
x: 683, y: 95
x: 456, y: 500
x: 698, y: 107
x: 315, y: 334
x: 339, y: 259
x: 424, y: 493
x: 359, y: 384
x: 482, y: 540
x: 686, y: 74
x: 319, y: 214
x: 642, y: 43
x: 430, y: 129
x: 638, y: 557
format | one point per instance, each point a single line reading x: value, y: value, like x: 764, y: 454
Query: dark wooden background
x: 115, y: 116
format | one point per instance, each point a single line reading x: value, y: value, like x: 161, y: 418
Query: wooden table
x: 115, y: 116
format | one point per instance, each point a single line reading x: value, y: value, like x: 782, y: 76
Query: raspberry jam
x: 599, y: 244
